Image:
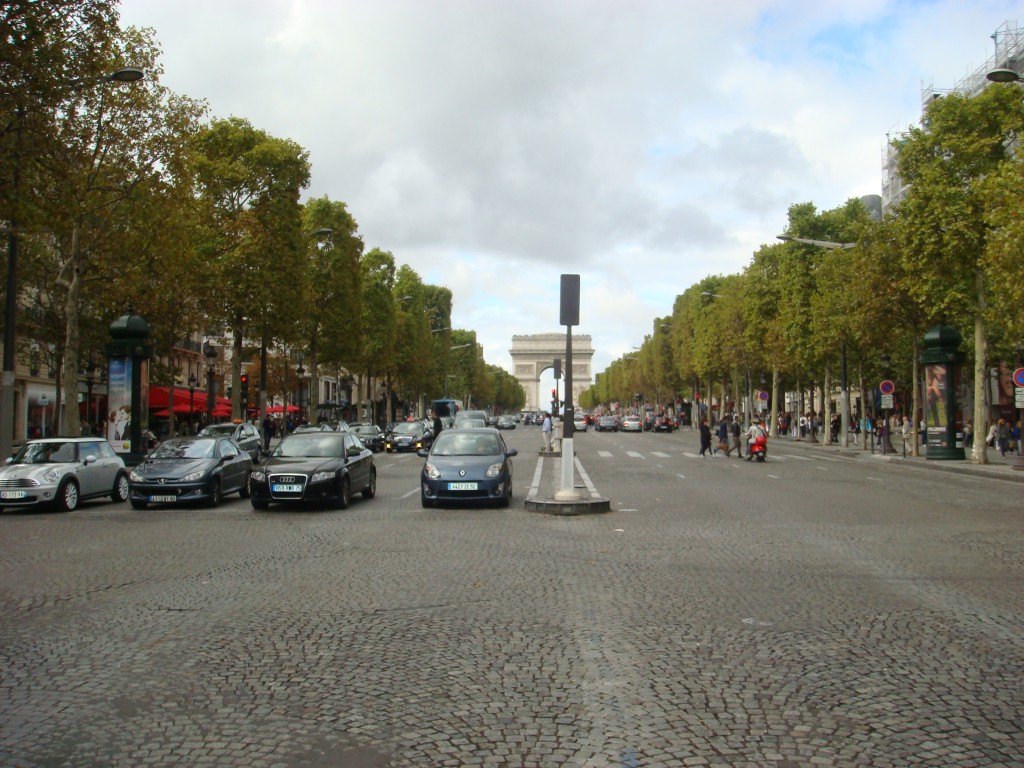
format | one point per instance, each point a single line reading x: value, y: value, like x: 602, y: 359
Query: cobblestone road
x: 804, y: 612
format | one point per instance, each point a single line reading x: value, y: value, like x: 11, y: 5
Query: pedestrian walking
x: 1003, y: 436
x: 906, y: 432
x: 545, y: 432
x: 268, y: 432
x: 438, y: 424
x: 1015, y: 438
x: 736, y: 436
x: 723, y: 437
x: 705, y: 437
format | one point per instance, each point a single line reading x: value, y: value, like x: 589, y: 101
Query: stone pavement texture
x: 712, y: 623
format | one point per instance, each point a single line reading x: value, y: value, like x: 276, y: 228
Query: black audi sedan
x: 371, y: 435
x: 314, y: 468
x: 187, y: 470
x: 467, y: 465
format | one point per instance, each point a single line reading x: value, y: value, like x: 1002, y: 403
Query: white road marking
x: 634, y: 454
x: 535, y: 485
x: 661, y: 455
x: 586, y: 480
x: 605, y: 454
x: 411, y: 493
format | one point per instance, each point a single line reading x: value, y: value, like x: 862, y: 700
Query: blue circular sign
x: 886, y: 387
x: 1018, y: 377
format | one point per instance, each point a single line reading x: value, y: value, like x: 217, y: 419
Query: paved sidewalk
x: 998, y: 468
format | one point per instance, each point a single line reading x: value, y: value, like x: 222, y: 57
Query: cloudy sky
x: 493, y: 145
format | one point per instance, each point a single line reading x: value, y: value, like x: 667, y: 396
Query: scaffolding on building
x: 1009, y: 54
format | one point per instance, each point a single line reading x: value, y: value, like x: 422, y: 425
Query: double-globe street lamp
x: 123, y: 75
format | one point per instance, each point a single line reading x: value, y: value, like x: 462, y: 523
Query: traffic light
x: 554, y: 393
x: 244, y: 393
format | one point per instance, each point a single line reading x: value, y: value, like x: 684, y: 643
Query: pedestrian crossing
x: 605, y: 454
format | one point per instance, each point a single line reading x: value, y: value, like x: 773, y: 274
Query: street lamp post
x: 301, y: 372
x: 7, y: 380
x: 88, y: 397
x: 192, y: 381
x: 211, y: 360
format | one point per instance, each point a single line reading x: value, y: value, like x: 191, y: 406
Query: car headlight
x: 191, y: 476
x: 136, y: 477
x: 431, y: 471
x: 319, y: 477
x: 494, y: 470
x: 258, y: 475
x: 51, y: 476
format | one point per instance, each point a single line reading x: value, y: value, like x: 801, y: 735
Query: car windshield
x: 310, y: 444
x: 456, y: 443
x: 408, y: 428
x: 46, y: 453
x: 365, y: 430
x: 218, y: 429
x: 200, y: 448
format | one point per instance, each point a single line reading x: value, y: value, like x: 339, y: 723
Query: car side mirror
x: 423, y: 452
x: 90, y: 459
x: 511, y: 452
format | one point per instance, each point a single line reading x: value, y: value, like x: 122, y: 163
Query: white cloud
x: 494, y: 145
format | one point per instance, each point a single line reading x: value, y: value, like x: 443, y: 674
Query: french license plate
x: 159, y: 499
x: 461, y: 486
x: 13, y: 494
x: 286, y: 488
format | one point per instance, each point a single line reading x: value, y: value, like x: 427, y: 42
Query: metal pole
x: 844, y: 406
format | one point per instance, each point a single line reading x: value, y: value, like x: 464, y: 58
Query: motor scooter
x: 759, y: 448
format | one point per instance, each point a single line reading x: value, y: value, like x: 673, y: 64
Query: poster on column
x: 119, y: 403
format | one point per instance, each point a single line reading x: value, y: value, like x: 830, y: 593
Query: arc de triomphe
x: 535, y: 353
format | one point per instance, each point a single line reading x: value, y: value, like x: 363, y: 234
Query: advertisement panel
x: 119, y: 403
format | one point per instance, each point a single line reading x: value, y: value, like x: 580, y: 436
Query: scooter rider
x: 756, y: 430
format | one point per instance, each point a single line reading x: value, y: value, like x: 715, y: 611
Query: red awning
x: 160, y: 397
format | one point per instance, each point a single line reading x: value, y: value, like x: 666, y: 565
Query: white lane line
x: 411, y: 493
x: 605, y: 454
x: 798, y: 458
x: 535, y: 485
x: 774, y: 477
x: 634, y: 454
x: 586, y: 480
x: 660, y: 455
x: 681, y: 477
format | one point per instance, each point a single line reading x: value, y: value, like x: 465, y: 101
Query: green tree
x: 254, y: 243
x: 949, y: 242
x: 332, y: 323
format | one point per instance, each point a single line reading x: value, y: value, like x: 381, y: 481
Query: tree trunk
x: 916, y: 401
x: 826, y: 398
x: 71, y: 425
x: 979, y: 453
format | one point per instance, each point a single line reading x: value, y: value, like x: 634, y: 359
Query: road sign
x: 887, y: 402
x: 886, y: 387
x: 762, y: 395
x: 1018, y: 377
x: 1018, y: 397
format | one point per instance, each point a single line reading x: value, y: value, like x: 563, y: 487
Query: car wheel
x: 67, y: 496
x: 506, y: 498
x: 425, y: 502
x: 371, y: 490
x: 259, y: 504
x: 244, y: 491
x: 136, y: 504
x: 120, y: 492
x: 216, y: 493
x: 344, y: 494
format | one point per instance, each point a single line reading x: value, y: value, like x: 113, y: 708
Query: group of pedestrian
x: 1004, y: 436
x: 729, y: 433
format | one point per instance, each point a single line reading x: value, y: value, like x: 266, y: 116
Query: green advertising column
x: 943, y: 363
x: 128, y: 356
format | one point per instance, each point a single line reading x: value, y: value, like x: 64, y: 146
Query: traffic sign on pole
x: 886, y: 387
